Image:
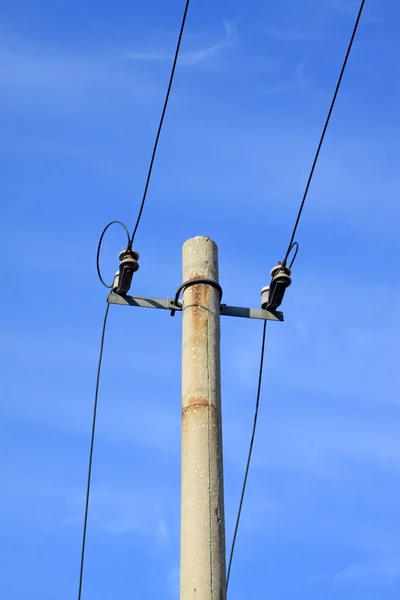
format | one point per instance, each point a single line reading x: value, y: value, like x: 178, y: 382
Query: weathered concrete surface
x: 202, y: 517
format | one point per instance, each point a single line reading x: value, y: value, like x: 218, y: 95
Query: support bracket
x: 169, y: 304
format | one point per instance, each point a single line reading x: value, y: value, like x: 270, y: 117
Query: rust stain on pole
x: 202, y: 519
x: 195, y: 402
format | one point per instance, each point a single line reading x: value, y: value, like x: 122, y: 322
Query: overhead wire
x: 253, y: 433
x: 292, y: 244
x: 321, y: 141
x: 89, y: 477
x: 153, y: 155
x: 129, y: 246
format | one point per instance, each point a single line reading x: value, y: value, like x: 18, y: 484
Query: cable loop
x: 295, y: 254
x: 128, y: 247
x: 187, y: 284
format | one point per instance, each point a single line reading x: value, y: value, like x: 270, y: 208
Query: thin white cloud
x: 148, y: 56
x: 191, y: 57
x: 196, y: 56
x: 385, y: 571
x: 312, y: 23
x: 186, y: 59
x: 35, y: 76
x: 292, y: 35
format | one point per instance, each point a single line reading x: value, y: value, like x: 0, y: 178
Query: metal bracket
x: 169, y: 303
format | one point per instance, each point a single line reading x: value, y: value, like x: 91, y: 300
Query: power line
x: 325, y: 129
x: 129, y: 246
x: 161, y: 120
x: 249, y: 454
x: 153, y: 155
x: 96, y: 396
x: 291, y: 245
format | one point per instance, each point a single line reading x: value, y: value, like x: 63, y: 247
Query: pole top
x: 199, y: 239
x: 200, y: 258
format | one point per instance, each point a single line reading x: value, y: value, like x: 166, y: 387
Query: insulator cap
x: 280, y: 268
x: 127, y: 267
x: 272, y: 295
x: 129, y: 253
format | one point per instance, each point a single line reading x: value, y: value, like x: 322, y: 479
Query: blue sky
x: 81, y: 89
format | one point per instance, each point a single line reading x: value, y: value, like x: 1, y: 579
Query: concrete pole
x: 203, y: 575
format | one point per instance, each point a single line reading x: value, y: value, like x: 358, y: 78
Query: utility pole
x: 203, y: 575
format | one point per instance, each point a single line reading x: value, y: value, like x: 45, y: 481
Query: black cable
x: 161, y: 119
x: 324, y: 129
x: 249, y: 455
x: 91, y: 453
x: 194, y: 281
x: 129, y: 246
x: 99, y: 248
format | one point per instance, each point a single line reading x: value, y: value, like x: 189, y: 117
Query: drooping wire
x: 161, y: 120
x: 89, y: 478
x: 292, y: 244
x: 249, y: 455
x: 129, y: 247
x: 325, y: 129
x: 99, y: 248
